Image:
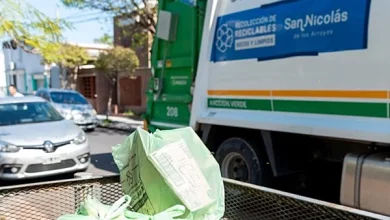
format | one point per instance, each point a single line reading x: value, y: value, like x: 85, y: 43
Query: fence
x: 242, y: 201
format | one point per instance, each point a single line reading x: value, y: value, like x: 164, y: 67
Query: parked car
x: 36, y: 141
x: 72, y: 106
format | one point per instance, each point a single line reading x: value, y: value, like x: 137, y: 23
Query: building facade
x: 92, y: 83
x: 3, y: 78
x: 27, y: 70
x: 132, y: 90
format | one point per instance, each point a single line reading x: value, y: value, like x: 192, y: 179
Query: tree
x: 28, y: 27
x: 114, y: 62
x: 140, y: 14
x: 105, y: 39
x: 69, y: 58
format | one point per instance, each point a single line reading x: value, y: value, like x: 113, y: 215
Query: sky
x: 87, y: 25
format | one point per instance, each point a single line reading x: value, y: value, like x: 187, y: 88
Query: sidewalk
x: 119, y: 123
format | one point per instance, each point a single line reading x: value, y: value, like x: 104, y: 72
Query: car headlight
x: 81, y: 138
x: 65, y: 113
x: 68, y: 116
x: 8, y: 148
x: 77, y: 114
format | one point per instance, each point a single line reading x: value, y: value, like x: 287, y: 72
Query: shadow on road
x: 103, y: 131
x: 37, y: 180
x: 104, y: 162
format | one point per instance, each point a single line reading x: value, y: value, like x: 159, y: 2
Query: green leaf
x: 29, y: 27
x: 116, y: 61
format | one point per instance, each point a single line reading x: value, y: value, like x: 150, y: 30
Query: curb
x: 131, y: 129
x: 119, y: 124
x: 120, y: 120
x: 115, y: 128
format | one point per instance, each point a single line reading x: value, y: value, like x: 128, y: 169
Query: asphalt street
x: 101, y: 140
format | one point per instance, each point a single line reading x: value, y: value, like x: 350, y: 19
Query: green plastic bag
x: 92, y: 209
x: 167, y: 168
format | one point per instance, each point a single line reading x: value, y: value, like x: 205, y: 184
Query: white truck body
x: 327, y: 79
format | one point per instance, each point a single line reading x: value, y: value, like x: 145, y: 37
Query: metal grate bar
x: 242, y: 201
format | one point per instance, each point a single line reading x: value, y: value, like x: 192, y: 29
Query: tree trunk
x: 109, y: 102
x: 108, y: 112
x: 72, y: 79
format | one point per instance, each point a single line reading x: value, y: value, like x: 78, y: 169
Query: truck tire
x: 239, y: 160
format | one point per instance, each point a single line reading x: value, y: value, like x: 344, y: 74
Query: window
x: 68, y: 98
x: 88, y: 87
x: 46, y: 96
x: 29, y: 112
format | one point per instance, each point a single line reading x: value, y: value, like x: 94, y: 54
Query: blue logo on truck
x: 292, y: 28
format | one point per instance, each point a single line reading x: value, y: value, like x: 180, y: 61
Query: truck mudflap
x: 47, y: 201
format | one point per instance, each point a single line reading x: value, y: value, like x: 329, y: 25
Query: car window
x: 46, y: 96
x: 29, y: 112
x: 68, y: 98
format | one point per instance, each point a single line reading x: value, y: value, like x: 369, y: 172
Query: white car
x: 36, y: 141
x: 72, y: 106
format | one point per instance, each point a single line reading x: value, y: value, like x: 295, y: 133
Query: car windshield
x: 68, y: 98
x: 29, y: 112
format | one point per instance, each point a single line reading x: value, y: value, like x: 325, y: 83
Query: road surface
x: 101, y: 141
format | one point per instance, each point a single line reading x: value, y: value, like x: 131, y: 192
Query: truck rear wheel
x: 239, y: 160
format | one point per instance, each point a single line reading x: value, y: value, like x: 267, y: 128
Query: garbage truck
x: 288, y: 94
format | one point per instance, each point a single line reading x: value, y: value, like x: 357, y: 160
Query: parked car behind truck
x: 72, y: 106
x: 293, y: 95
x: 36, y: 141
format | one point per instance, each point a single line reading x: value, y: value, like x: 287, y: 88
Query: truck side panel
x: 340, y: 90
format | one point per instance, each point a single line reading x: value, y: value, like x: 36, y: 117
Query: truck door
x: 174, y: 59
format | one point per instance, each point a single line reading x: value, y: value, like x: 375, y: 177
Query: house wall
x: 28, y: 74
x: 25, y: 63
x: 55, y: 80
x: 102, y: 90
x: 3, y: 79
x: 143, y: 72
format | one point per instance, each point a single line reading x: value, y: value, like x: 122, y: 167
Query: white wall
x: 3, y: 79
x: 55, y: 80
x: 31, y: 63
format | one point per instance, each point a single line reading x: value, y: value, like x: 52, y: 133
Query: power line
x: 90, y: 19
x: 81, y: 15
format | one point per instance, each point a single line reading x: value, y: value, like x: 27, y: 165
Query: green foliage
x: 117, y: 60
x: 114, y: 62
x: 65, y: 55
x: 31, y: 29
x: 129, y: 113
x: 141, y: 11
x: 105, y: 39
